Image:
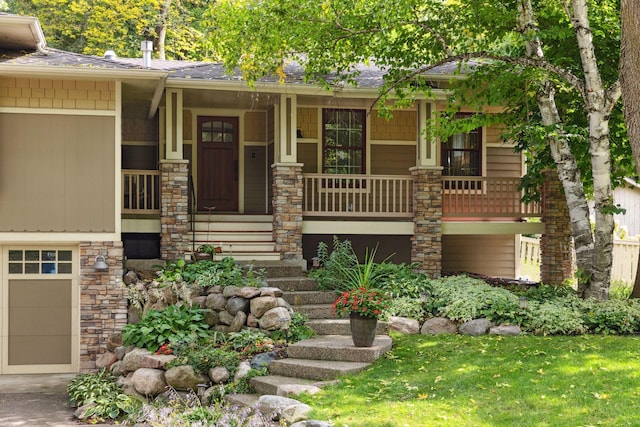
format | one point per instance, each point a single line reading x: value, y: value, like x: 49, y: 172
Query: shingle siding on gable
x: 60, y: 94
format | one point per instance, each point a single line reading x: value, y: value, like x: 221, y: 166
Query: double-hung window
x: 461, y: 155
x: 343, y: 141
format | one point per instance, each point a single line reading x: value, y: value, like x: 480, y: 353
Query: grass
x: 491, y: 381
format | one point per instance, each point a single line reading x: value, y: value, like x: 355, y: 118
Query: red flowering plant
x: 367, y: 302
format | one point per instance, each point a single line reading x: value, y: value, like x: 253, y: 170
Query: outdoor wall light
x: 315, y: 262
x: 100, y: 264
x: 523, y: 301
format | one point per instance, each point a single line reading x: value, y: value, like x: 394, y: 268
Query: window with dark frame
x: 461, y: 155
x: 343, y: 141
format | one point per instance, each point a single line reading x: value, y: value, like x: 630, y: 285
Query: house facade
x: 120, y: 159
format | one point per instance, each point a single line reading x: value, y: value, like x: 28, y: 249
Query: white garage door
x: 39, y: 309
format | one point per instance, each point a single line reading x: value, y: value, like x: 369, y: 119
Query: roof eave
x: 78, y: 72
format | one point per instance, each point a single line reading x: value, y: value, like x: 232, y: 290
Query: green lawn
x: 492, y: 381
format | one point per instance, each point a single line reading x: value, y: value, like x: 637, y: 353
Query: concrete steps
x: 280, y: 385
x: 339, y: 327
x: 315, y: 369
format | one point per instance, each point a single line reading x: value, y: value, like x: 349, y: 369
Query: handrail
x: 140, y: 191
x: 192, y: 210
x: 485, y: 197
x: 357, y: 195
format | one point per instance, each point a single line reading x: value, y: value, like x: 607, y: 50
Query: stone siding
x: 53, y: 93
x: 287, y: 210
x: 426, y: 243
x: 103, y: 302
x: 556, y: 245
x: 174, y: 209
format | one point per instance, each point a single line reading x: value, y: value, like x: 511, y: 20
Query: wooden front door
x: 218, y: 164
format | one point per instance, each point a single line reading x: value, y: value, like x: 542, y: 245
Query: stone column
x: 174, y: 209
x: 103, y: 302
x: 556, y: 244
x: 426, y: 243
x: 287, y: 210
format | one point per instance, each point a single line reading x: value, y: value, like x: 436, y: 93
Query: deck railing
x: 358, y: 195
x: 140, y: 191
x: 472, y: 197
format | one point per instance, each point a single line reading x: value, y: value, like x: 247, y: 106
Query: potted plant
x: 361, y: 299
x: 207, y: 252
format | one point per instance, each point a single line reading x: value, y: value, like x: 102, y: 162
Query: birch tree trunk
x: 161, y: 28
x: 630, y: 79
x: 566, y: 164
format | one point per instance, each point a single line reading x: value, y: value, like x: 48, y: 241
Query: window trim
x: 481, y: 158
x: 363, y: 149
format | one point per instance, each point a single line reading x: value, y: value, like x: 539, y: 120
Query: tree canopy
x: 95, y: 26
x: 553, y: 65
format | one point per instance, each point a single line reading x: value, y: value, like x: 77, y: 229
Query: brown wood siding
x: 308, y: 155
x: 255, y: 186
x: 503, y: 162
x: 255, y: 126
x: 493, y: 255
x: 392, y: 159
x: 57, y: 173
x: 307, y: 122
x: 140, y: 129
x: 401, y: 127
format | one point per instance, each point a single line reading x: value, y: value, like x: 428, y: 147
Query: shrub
x: 298, y: 329
x: 175, y: 323
x: 612, y: 316
x: 330, y: 275
x: 405, y: 307
x: 620, y: 290
x: 250, y: 342
x: 400, y: 280
x: 553, y: 318
x: 101, y: 390
x: 204, y: 354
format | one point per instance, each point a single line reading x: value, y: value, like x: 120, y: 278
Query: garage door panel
x: 40, y: 321
x: 40, y: 293
x: 39, y: 350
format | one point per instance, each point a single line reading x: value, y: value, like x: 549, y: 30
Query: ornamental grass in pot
x: 360, y: 299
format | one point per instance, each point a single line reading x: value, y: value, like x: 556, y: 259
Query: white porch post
x: 426, y: 153
x: 286, y: 133
x: 173, y: 125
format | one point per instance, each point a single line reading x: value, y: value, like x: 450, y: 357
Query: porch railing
x: 485, y: 197
x: 140, y: 191
x: 358, y: 195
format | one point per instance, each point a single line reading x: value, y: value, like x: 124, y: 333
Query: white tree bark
x: 566, y: 164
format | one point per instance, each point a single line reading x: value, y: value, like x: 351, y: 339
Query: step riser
x: 291, y: 283
x: 309, y: 297
x: 316, y: 311
x: 262, y: 387
x: 320, y: 348
x: 257, y: 236
x: 310, y: 372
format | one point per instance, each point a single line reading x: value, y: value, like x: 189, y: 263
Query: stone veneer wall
x: 556, y: 244
x: 426, y: 243
x: 103, y: 302
x: 174, y: 208
x: 287, y: 210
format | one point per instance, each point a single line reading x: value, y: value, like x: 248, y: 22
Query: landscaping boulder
x: 226, y: 318
x: 131, y: 360
x: 271, y: 406
x: 270, y: 292
x: 216, y: 289
x: 293, y: 389
x: 262, y: 360
x: 116, y: 368
x: 274, y: 319
x: 243, y: 369
x: 249, y: 292
x: 199, y: 301
x: 83, y: 412
x: 438, y: 326
x: 105, y: 360
x: 130, y: 278
x: 507, y: 330
x: 236, y: 304
x: 183, y: 377
x: 295, y: 413
x: 230, y: 291
x: 156, y: 361
x: 212, y: 318
x: 149, y: 382
x: 216, y: 302
x: 114, y: 341
x: 475, y: 327
x: 404, y: 325
x: 252, y: 321
x: 260, y: 305
x: 238, y: 322
x: 219, y: 375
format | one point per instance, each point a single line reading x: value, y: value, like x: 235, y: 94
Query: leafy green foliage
x: 175, y: 323
x: 333, y: 263
x: 102, y: 391
x: 405, y: 307
x: 249, y: 342
x: 205, y: 354
x: 554, y: 318
x: 400, y: 280
x: 298, y: 329
x: 612, y: 316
